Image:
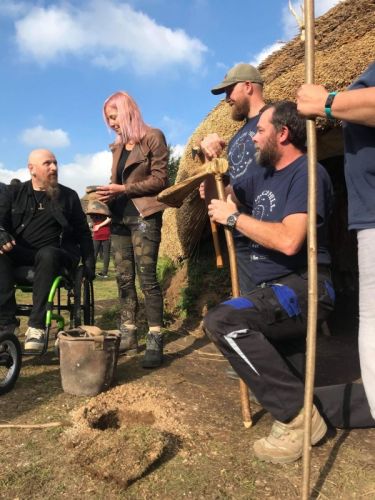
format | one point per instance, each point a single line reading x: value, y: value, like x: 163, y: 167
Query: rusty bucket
x: 88, y: 360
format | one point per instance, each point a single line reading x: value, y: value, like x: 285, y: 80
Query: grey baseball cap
x: 241, y: 72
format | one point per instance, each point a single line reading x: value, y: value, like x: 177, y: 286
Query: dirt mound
x: 120, y: 434
x: 121, y: 455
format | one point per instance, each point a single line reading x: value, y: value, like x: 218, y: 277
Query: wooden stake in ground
x: 312, y: 254
x: 244, y: 390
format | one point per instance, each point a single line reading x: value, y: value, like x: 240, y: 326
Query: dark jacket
x: 145, y: 173
x: 18, y: 205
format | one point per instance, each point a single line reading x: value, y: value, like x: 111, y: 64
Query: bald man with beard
x: 42, y: 225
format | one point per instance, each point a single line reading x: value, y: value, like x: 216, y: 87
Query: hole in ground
x: 102, y: 421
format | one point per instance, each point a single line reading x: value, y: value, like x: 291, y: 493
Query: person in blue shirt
x: 243, y: 88
x: 356, y: 107
x: 259, y: 331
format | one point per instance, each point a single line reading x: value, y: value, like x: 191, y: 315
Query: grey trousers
x: 366, y: 265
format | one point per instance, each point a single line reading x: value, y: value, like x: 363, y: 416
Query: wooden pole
x: 244, y: 390
x: 312, y: 255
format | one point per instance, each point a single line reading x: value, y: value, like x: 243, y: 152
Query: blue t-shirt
x: 241, y: 160
x: 360, y: 164
x: 271, y: 195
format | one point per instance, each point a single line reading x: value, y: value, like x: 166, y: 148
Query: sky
x: 60, y: 60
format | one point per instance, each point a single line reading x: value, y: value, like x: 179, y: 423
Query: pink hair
x: 132, y: 126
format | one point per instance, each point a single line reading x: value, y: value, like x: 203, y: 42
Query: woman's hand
x: 107, y: 193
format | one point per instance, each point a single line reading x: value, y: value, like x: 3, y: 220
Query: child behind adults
x: 101, y: 232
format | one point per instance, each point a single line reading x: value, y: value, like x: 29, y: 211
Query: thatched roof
x: 345, y: 45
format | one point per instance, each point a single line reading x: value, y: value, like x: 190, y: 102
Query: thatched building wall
x: 345, y: 45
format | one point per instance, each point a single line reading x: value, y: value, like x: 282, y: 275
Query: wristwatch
x: 232, y: 220
x: 328, y: 105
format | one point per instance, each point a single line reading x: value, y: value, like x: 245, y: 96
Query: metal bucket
x: 87, y: 360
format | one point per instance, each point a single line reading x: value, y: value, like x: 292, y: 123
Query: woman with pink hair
x: 139, y: 173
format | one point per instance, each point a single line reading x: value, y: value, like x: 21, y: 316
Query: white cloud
x: 264, y: 53
x: 7, y: 175
x: 110, y: 34
x: 41, y: 137
x: 177, y: 151
x: 290, y: 27
x: 321, y: 6
x: 86, y: 170
x: 221, y: 65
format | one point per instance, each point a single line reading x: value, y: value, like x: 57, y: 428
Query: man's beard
x: 269, y: 155
x: 52, y: 188
x: 240, y: 110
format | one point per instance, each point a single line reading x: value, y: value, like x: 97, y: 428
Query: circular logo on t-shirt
x: 241, y: 154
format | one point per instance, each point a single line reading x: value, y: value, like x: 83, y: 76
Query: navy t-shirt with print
x: 360, y: 164
x: 241, y: 151
x: 241, y: 160
x: 270, y: 196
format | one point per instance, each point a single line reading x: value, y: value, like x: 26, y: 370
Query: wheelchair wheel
x: 10, y: 361
x: 83, y: 307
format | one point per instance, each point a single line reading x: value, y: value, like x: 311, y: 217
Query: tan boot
x: 285, y: 442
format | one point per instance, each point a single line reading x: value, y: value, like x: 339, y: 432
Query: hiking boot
x: 128, y: 341
x: 34, y: 339
x: 154, y: 351
x: 285, y: 442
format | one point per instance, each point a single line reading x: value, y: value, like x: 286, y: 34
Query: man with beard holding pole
x: 261, y: 331
x: 243, y: 89
x: 42, y: 224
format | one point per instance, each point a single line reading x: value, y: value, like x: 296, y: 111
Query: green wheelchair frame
x: 79, y: 304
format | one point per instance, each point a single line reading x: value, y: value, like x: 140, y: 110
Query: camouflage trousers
x: 135, y: 251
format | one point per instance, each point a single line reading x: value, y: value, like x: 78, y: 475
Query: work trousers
x: 48, y: 263
x: 105, y: 245
x: 136, y: 251
x: 366, y: 266
x: 262, y: 332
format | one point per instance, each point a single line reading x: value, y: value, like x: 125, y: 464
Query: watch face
x: 231, y: 220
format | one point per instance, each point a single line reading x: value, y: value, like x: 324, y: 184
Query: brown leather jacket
x: 146, y: 171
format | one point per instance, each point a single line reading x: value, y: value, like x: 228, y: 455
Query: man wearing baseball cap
x: 243, y: 87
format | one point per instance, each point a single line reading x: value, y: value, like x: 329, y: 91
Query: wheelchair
x: 78, y: 300
x: 10, y: 361
x: 79, y: 303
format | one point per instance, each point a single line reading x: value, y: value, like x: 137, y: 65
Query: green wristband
x: 328, y: 105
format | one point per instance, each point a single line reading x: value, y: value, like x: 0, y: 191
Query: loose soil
x: 175, y: 432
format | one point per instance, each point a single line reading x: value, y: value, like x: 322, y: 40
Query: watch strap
x: 232, y: 217
x: 328, y: 105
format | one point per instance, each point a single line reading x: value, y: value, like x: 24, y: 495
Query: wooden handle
x: 210, y: 191
x: 245, y: 405
x: 215, y: 238
x: 244, y: 390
